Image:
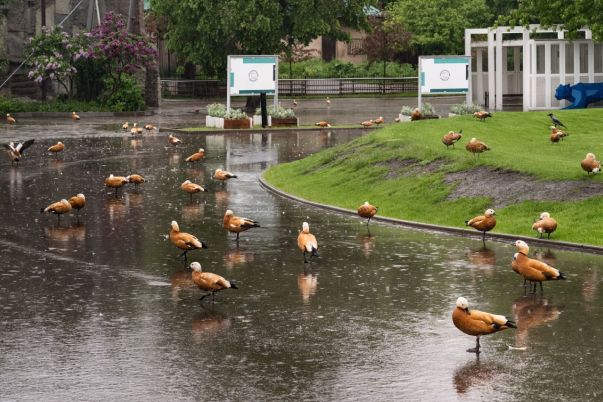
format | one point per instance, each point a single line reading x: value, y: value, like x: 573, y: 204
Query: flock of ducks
x: 472, y: 322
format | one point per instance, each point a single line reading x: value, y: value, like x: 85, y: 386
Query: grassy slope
x: 352, y: 173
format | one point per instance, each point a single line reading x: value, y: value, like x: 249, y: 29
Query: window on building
x: 554, y: 59
x: 356, y: 47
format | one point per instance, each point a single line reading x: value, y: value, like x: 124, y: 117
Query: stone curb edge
x: 438, y: 228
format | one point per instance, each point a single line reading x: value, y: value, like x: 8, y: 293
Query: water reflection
x: 367, y: 242
x: 236, y: 257
x: 116, y: 208
x: 482, y: 257
x: 181, y: 280
x: 66, y: 234
x: 307, y: 283
x: 590, y: 287
x: 546, y: 256
x: 193, y: 212
x: 474, y: 374
x: 208, y: 323
x: 532, y: 311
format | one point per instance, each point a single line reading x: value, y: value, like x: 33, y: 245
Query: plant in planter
x: 405, y: 113
x: 215, y: 115
x: 277, y: 117
x: 463, y: 108
x: 236, y: 118
x: 428, y: 111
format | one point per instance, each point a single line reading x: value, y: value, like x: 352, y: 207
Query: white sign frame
x: 249, y: 75
x: 444, y: 75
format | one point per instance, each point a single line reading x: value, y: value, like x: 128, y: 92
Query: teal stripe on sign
x: 255, y: 91
x: 256, y: 60
x: 448, y: 90
x: 450, y: 60
x: 231, y: 79
x: 422, y: 79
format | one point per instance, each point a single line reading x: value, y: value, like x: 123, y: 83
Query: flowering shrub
x: 278, y: 112
x: 465, y: 108
x: 235, y: 114
x: 120, y: 52
x: 52, y: 54
x: 216, y: 110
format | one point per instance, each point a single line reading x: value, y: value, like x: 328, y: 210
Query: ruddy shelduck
x: 478, y: 323
x: 482, y: 115
x: 116, y: 182
x: 223, y: 175
x: 149, y: 127
x: 294, y: 103
x: 416, y: 115
x: 545, y: 224
x: 367, y: 123
x: 379, y: 120
x: 136, y: 179
x: 397, y: 120
x: 323, y: 124
x: 56, y: 148
x: 533, y: 270
x: 125, y: 126
x: 174, y: 140
x: 184, y: 241
x: 196, y: 156
x: 328, y: 101
x: 476, y: 147
x: 306, y: 242
x: 484, y: 223
x: 367, y: 210
x: 15, y: 151
x: 557, y: 135
x: 58, y: 208
x: 191, y: 188
x: 590, y: 164
x: 451, y: 138
x: 10, y: 119
x: 209, y: 282
x: 77, y: 202
x: 236, y: 224
x: 74, y: 116
x: 135, y: 130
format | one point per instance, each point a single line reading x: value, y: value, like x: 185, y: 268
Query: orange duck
x: 196, y: 156
x: 58, y: 208
x: 367, y: 210
x: 545, y: 224
x: 484, y: 223
x: 590, y: 164
x: 476, y: 147
x: 482, y: 115
x: 209, y: 282
x: 478, y: 323
x: 451, y: 138
x: 223, y: 175
x: 307, y: 242
x: 115, y: 182
x: 77, y: 202
x: 533, y: 270
x: 56, y: 148
x: 136, y: 179
x: 235, y: 224
x: 184, y: 241
x: 191, y: 188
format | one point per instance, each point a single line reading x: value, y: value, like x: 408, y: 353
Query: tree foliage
x: 574, y: 15
x: 204, y: 33
x: 438, y: 26
x: 385, y: 41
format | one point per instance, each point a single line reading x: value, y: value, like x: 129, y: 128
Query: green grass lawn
x: 359, y: 171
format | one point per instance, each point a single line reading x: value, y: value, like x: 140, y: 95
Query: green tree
x: 204, y: 33
x: 438, y: 26
x: 384, y: 42
x: 574, y: 15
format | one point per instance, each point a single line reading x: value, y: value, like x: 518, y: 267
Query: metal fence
x: 297, y: 87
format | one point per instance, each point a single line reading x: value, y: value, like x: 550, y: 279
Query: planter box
x: 238, y: 123
x: 290, y: 122
x: 452, y: 114
x: 257, y: 120
x: 216, y: 122
x: 403, y: 118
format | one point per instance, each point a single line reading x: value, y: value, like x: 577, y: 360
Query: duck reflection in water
x: 590, y: 287
x: 482, y: 257
x: 235, y: 257
x: 116, y: 208
x: 367, y: 243
x: 134, y: 199
x: 179, y: 281
x: 475, y: 373
x: 56, y: 165
x: 193, y: 212
x: 209, y: 323
x: 307, y: 283
x: 65, y: 234
x: 174, y: 159
x: 532, y: 311
x: 546, y: 256
x: 135, y: 143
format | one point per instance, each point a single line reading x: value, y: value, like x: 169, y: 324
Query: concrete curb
x: 262, y: 130
x: 67, y: 115
x: 438, y: 228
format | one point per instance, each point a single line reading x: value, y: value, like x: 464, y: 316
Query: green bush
x: 127, y: 97
x: 17, y: 105
x: 216, y: 110
x: 316, y: 68
x: 465, y: 108
x: 235, y: 114
x: 278, y: 112
x: 427, y: 109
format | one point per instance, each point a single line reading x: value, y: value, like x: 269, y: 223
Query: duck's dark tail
x: 314, y: 252
x: 511, y: 324
x: 233, y: 285
x: 561, y: 276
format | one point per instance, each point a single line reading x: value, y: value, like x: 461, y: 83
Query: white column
x: 469, y: 98
x: 526, y: 71
x: 561, y: 66
x: 591, y: 61
x: 547, y: 75
x: 533, y: 55
x: 479, y: 73
x: 499, y: 69
x: 516, y: 71
x: 491, y: 70
x: 576, y: 62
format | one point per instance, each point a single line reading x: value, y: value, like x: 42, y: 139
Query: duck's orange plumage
x: 367, y: 123
x: 173, y: 140
x: 223, y: 175
x: 451, y: 138
x: 136, y: 179
x: 184, y: 241
x: 367, y: 210
x: 379, y: 120
x: 482, y: 115
x: 478, y: 323
x: 10, y: 119
x: 476, y: 146
x: 208, y: 281
x: 74, y: 116
x: 484, y: 223
x: 77, y: 202
x: 416, y: 115
x: 236, y: 224
x: 306, y: 242
x: 115, y: 181
x: 322, y: 124
x: 58, y: 208
x: 56, y: 148
x: 590, y: 164
x: 533, y: 270
x: 545, y: 224
x: 196, y: 156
